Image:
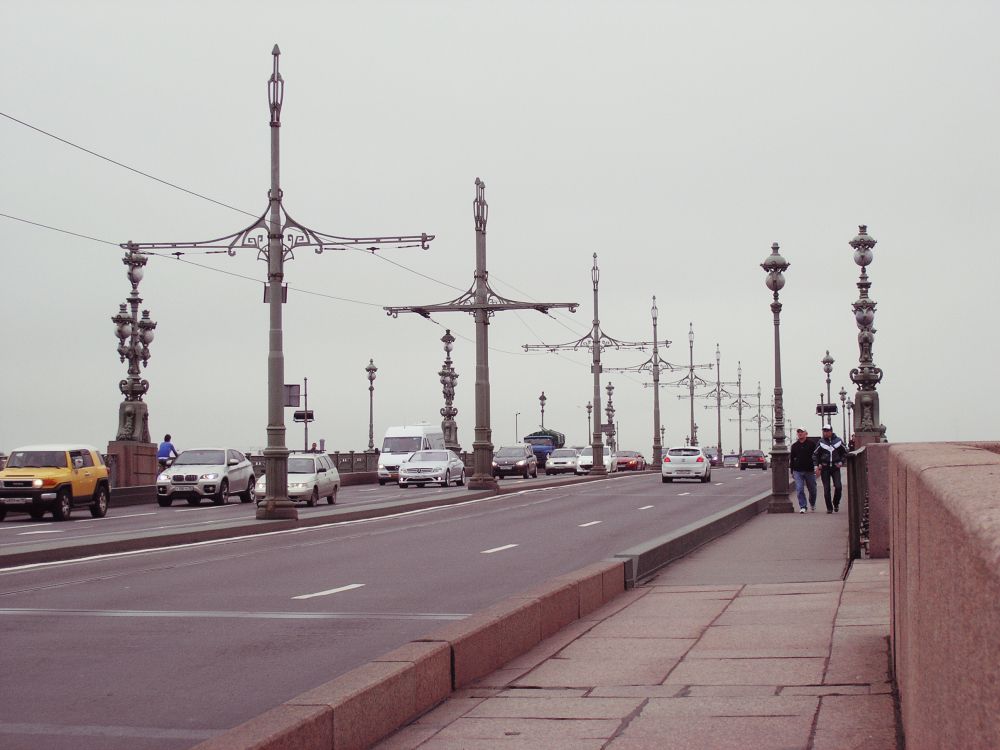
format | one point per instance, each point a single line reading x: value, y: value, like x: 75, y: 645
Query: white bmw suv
x: 206, y: 473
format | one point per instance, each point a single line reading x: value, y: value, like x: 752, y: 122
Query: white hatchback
x: 586, y: 461
x: 685, y: 462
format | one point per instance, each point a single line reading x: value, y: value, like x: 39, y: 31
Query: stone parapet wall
x: 945, y: 543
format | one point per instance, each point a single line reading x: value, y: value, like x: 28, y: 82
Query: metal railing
x: 857, y: 504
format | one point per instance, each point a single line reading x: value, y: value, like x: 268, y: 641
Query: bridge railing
x: 857, y: 504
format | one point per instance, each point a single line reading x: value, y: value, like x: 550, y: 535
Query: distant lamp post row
x: 135, y: 334
x: 866, y: 376
x: 609, y: 411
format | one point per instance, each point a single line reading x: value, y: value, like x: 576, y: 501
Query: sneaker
x: 802, y: 510
x: 812, y: 508
x: 836, y: 509
x: 829, y: 511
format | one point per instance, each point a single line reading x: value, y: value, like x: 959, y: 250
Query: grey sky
x: 677, y: 140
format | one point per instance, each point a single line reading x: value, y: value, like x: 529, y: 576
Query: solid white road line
x: 348, y: 587
x: 202, y: 507
x: 51, y: 531
x: 591, y: 523
x: 682, y: 494
x: 646, y: 507
x: 497, y: 549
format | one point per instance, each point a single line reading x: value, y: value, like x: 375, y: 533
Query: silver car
x: 562, y: 460
x: 430, y: 467
x: 311, y: 476
x: 210, y: 473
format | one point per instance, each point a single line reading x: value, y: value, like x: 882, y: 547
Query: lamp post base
x: 278, y: 510
x: 781, y: 501
x: 483, y: 483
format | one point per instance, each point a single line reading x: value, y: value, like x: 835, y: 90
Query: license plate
x: 14, y: 500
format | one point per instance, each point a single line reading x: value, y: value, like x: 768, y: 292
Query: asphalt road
x: 164, y: 648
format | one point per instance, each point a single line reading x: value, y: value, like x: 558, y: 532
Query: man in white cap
x: 800, y: 462
x: 828, y: 457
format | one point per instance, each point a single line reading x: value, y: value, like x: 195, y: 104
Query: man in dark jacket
x: 828, y: 457
x: 802, y: 467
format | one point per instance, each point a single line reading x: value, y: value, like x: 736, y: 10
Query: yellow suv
x: 40, y: 478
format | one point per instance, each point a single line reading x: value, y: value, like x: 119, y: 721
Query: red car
x: 630, y: 461
x: 753, y: 459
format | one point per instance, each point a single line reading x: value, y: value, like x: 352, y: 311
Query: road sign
x: 303, y: 415
x: 822, y: 409
x: 292, y: 394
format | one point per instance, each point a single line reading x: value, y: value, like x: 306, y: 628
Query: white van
x: 400, y: 442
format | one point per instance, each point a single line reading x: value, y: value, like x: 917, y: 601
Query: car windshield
x: 684, y: 451
x: 401, y: 444
x: 753, y: 453
x: 563, y: 453
x: 429, y: 456
x: 513, y: 452
x: 628, y: 454
x: 37, y: 459
x: 201, y: 458
x: 301, y: 466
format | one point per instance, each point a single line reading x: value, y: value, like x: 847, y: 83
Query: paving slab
x: 554, y: 708
x: 590, y: 661
x: 734, y: 641
x: 791, y: 671
x: 849, y: 722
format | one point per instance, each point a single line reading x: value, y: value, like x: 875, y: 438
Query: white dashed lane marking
x: 591, y: 523
x: 682, y: 494
x: 646, y: 507
x: 348, y: 587
x: 497, y: 549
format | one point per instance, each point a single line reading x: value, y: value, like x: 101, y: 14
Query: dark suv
x: 515, y: 459
x: 753, y: 459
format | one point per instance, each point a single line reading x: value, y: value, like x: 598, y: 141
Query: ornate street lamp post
x: 134, y: 337
x: 541, y: 403
x: 866, y: 376
x: 449, y: 378
x: 589, y: 408
x: 371, y: 369
x: 516, y: 433
x: 827, y: 363
x: 775, y: 266
x: 843, y: 414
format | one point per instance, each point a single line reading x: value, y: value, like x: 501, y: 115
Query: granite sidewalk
x: 756, y: 640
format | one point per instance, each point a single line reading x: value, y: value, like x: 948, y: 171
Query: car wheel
x: 535, y: 473
x: 220, y: 498
x: 460, y: 482
x: 527, y: 473
x: 743, y: 468
x: 311, y: 502
x: 164, y: 502
x: 332, y: 497
x: 36, y: 514
x: 3, y: 513
x: 99, y: 508
x: 381, y: 482
x: 194, y: 501
x: 64, y: 505
x: 664, y: 480
x: 249, y: 495
x: 447, y: 479
x: 706, y: 478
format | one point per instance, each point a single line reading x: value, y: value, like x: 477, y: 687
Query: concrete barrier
x: 945, y: 541
x: 645, y: 559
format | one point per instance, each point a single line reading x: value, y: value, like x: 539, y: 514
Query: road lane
x: 201, y: 637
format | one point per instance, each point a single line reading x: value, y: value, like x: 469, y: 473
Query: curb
x: 367, y: 704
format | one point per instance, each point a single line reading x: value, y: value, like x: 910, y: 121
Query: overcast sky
x: 677, y: 140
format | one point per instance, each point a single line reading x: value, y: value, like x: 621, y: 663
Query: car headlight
x: 210, y: 477
x: 521, y: 462
x: 163, y: 478
x: 297, y: 485
x: 36, y: 483
x: 262, y: 484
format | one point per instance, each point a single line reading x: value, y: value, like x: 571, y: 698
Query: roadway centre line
x: 348, y: 587
x: 585, y: 525
x: 646, y: 507
x: 497, y: 549
x: 202, y: 507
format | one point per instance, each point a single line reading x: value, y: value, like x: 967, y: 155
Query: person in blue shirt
x: 166, y: 451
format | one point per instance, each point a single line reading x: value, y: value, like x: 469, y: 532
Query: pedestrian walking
x: 828, y: 458
x: 802, y: 467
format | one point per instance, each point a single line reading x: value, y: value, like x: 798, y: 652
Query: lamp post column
x: 448, y: 377
x: 371, y: 369
x: 694, y: 432
x: 827, y: 363
x: 657, y: 433
x: 718, y: 401
x: 610, y: 412
x: 866, y: 376
x: 843, y: 414
x: 775, y: 266
x: 597, y: 444
x: 589, y: 407
x: 541, y: 403
x: 516, y: 433
x: 739, y: 400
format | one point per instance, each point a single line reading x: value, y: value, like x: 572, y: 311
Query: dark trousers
x: 834, y: 472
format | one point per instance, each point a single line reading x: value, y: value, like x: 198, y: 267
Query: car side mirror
x: 321, y: 470
x: 232, y: 462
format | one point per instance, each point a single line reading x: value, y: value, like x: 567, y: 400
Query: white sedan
x: 562, y: 460
x: 685, y: 462
x: 432, y: 467
x: 310, y: 477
